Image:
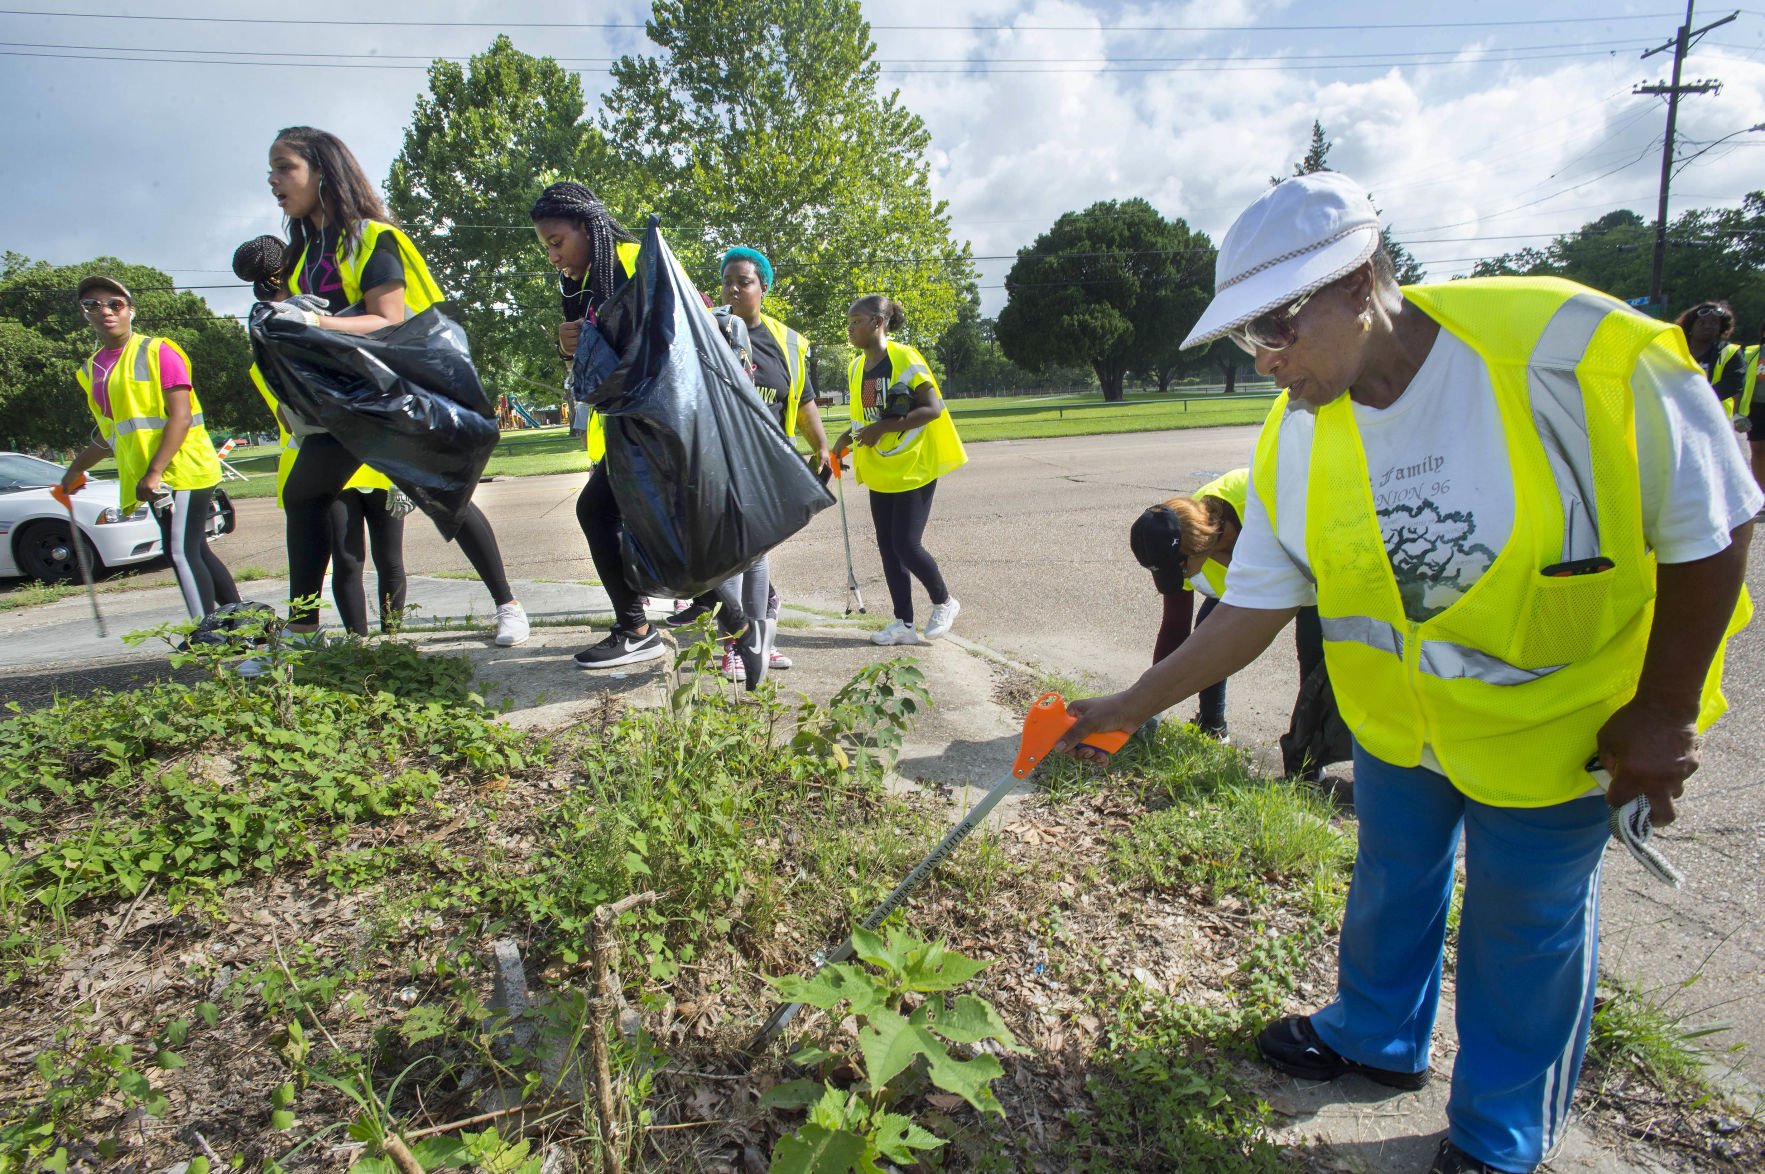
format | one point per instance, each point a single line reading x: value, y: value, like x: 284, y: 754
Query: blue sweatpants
x: 1527, y: 952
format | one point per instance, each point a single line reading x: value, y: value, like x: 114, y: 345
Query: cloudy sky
x: 1479, y: 128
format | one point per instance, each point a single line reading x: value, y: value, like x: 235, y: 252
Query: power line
x: 576, y: 24
x: 1205, y: 65
x: 381, y: 58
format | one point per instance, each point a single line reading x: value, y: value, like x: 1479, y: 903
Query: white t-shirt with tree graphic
x: 1444, y: 490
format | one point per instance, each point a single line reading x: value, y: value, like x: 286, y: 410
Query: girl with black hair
x: 1707, y: 327
x: 362, y: 517
x: 902, y: 440
x: 345, y: 250
x: 593, y: 256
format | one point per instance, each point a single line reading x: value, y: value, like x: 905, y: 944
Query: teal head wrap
x: 762, y: 266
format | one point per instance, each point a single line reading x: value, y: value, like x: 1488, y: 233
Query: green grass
x: 1038, y: 421
x: 1640, y: 1031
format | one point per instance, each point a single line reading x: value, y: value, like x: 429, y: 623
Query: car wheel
x: 44, y: 552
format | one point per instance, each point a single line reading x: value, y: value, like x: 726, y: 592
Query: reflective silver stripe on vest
x: 1561, y: 416
x: 1364, y: 630
x: 1455, y: 662
x: 912, y: 370
x: 140, y: 424
x: 143, y: 369
x: 792, y: 360
x: 155, y: 423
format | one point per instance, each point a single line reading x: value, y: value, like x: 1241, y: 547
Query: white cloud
x: 165, y: 163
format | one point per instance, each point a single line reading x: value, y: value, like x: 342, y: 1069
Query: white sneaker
x: 511, y: 625
x: 898, y: 632
x: 733, y: 668
x: 778, y: 660
x: 943, y: 617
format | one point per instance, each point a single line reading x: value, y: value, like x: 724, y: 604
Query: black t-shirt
x: 873, y: 392
x: 319, y: 273
x: 772, y: 375
x: 1733, y: 376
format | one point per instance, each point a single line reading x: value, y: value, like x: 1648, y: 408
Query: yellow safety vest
x: 1729, y: 351
x: 1746, y: 392
x: 1232, y: 488
x: 596, y: 439
x: 796, y: 361
x: 137, y: 420
x: 904, y: 460
x: 1510, y: 685
x: 420, y: 289
x: 289, y: 447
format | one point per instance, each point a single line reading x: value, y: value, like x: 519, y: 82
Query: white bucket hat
x: 1300, y: 235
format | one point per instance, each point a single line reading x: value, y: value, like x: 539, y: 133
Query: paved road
x: 1032, y: 537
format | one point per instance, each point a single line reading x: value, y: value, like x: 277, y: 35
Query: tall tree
x: 1712, y: 253
x: 481, y: 144
x: 766, y: 125
x: 1114, y: 286
x: 1317, y: 158
x: 43, y: 337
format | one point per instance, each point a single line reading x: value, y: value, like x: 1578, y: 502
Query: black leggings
x: 360, y: 514
x: 321, y: 468
x: 203, y: 579
x: 900, y: 520
x: 597, y: 512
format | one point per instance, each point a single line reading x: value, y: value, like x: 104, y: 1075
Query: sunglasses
x: 1272, y: 331
x: 1712, y: 312
x: 93, y: 305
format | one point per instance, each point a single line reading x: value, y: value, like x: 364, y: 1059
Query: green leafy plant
x: 899, y: 1051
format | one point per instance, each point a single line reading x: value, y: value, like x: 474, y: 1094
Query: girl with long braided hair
x: 593, y: 255
x: 346, y: 253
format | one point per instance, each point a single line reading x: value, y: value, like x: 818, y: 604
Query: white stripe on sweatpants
x: 186, y: 575
x: 1559, y: 1089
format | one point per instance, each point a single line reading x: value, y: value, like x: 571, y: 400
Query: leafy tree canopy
x: 1115, y: 287
x: 44, y: 337
x: 485, y: 140
x: 767, y: 126
x: 1713, y: 254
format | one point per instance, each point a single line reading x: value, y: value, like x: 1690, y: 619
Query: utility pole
x: 1680, y: 44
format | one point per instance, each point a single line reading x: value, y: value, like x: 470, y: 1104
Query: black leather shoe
x: 1292, y: 1046
x: 1453, y: 1160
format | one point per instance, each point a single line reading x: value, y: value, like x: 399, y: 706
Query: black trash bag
x: 1316, y: 736
x: 405, y: 400
x: 705, y: 478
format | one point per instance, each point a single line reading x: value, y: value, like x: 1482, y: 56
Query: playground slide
x: 520, y: 410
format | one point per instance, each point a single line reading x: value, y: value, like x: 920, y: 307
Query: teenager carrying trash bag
x: 705, y: 480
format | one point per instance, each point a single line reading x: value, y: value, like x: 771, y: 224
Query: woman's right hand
x: 568, y: 333
x: 1093, y: 714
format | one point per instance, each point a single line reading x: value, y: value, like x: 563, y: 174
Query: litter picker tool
x: 1046, y: 721
x: 78, y: 542
x: 839, y: 494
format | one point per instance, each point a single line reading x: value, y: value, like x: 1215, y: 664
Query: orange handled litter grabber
x: 1043, y: 726
x: 852, y: 591
x: 78, y: 542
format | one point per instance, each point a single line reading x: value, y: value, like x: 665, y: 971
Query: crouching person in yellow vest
x: 1506, y: 591
x: 902, y: 440
x: 140, y: 391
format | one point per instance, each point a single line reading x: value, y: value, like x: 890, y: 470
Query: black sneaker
x: 1221, y: 733
x: 622, y: 647
x: 1292, y: 1046
x: 1453, y: 1160
x: 686, y: 615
